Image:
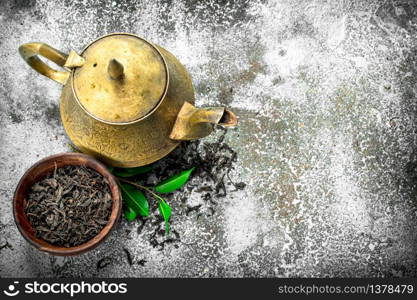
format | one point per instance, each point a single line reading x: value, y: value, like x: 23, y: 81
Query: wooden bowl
x: 41, y: 169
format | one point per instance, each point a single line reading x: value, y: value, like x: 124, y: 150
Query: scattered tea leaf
x: 130, y: 172
x: 104, y: 262
x: 240, y: 185
x: 130, y: 214
x: 141, y: 226
x: 165, y: 211
x: 128, y: 256
x: 142, y: 262
x: 135, y: 199
x: 6, y: 245
x: 173, y: 183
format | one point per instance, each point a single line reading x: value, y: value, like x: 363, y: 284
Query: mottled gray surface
x: 326, y: 96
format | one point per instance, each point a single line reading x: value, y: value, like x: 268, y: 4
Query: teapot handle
x: 30, y: 52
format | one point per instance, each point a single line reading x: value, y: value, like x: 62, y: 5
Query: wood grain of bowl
x: 41, y: 169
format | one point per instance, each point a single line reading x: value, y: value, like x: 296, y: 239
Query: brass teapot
x: 125, y: 100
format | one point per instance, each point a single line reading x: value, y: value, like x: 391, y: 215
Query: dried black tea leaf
x: 70, y: 206
x: 104, y: 262
x: 128, y: 256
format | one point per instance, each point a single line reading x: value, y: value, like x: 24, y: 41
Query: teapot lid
x: 123, y: 79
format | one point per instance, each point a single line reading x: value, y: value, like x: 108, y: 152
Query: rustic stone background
x: 326, y: 96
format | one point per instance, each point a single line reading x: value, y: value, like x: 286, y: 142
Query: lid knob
x: 115, y: 69
x: 123, y: 79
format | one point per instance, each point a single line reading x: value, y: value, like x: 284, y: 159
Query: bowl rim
x: 106, y: 230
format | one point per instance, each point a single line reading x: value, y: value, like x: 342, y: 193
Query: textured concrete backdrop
x: 326, y: 96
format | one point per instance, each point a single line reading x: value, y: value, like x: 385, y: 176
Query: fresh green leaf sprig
x: 135, y: 200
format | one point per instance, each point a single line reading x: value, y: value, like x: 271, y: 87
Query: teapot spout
x: 194, y: 123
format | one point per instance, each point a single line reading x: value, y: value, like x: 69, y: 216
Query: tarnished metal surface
x: 30, y: 53
x: 124, y: 114
x: 325, y: 92
x: 193, y: 123
x: 131, y: 145
x: 131, y: 97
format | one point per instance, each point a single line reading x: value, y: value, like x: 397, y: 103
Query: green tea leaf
x: 110, y: 168
x: 130, y: 172
x: 173, y: 183
x: 165, y: 211
x: 135, y: 199
x: 130, y: 214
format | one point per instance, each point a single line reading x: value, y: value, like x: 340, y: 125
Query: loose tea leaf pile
x: 211, y: 162
x: 145, y: 188
x: 70, y: 206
